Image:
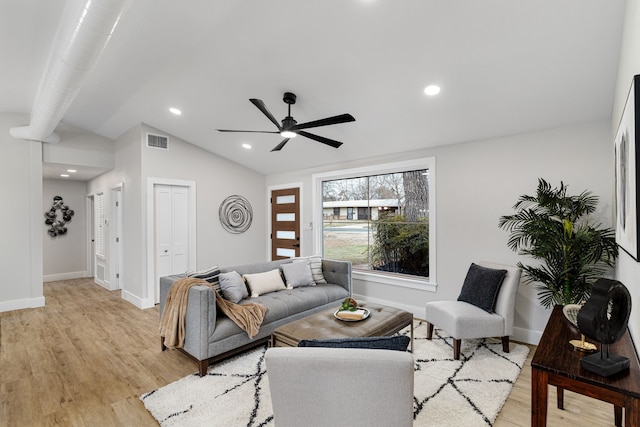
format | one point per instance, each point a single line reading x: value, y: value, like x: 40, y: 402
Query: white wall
x: 627, y: 269
x: 65, y: 256
x: 79, y: 147
x: 216, y: 178
x: 476, y: 184
x: 127, y: 172
x: 21, y: 218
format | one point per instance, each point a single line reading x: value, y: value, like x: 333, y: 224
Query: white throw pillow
x: 297, y: 274
x: 263, y: 283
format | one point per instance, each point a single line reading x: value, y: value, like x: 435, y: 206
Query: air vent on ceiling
x: 157, y: 141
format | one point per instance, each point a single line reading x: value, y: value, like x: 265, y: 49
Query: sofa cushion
x: 297, y: 274
x: 399, y: 343
x: 233, y: 287
x: 262, y: 283
x: 481, y: 287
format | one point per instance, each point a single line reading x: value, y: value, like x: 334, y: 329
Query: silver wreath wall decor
x: 57, y: 225
x: 235, y: 214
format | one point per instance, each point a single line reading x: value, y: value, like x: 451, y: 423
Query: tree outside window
x: 378, y: 222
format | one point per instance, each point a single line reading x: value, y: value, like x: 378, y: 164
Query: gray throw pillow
x: 315, y: 262
x: 481, y: 287
x: 297, y: 274
x: 398, y: 342
x: 233, y: 286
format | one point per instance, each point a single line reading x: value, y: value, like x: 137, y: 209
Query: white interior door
x: 180, y: 229
x: 116, y: 239
x: 163, y: 214
x: 171, y: 231
x: 91, y: 249
x: 101, y: 266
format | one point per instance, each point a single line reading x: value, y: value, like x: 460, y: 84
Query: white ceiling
x: 505, y: 67
x: 82, y: 172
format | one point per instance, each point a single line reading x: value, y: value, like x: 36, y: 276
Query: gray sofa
x: 211, y: 336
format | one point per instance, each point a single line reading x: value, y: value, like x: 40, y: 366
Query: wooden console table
x: 556, y: 363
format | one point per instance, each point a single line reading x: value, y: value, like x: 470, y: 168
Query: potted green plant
x: 555, y: 229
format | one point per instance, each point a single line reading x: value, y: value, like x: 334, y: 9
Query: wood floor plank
x: 86, y: 357
x: 579, y: 410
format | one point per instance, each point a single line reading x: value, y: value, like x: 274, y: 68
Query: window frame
x: 407, y: 281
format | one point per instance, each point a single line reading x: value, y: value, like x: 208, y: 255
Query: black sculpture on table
x: 604, y: 318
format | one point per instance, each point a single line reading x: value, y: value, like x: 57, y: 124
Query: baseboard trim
x: 141, y: 303
x: 418, y: 312
x: 64, y: 276
x: 20, y: 304
x: 526, y: 335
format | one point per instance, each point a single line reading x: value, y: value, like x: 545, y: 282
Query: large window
x: 380, y: 218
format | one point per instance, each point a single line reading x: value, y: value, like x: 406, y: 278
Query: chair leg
x: 203, y: 365
x: 505, y: 344
x: 456, y: 349
x: 429, y: 330
x: 617, y: 415
x: 162, y: 346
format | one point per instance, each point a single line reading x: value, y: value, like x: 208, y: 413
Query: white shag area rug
x: 468, y: 392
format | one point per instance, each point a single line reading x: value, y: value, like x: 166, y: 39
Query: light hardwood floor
x: 86, y: 357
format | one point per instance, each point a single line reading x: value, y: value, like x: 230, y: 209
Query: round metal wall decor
x: 57, y: 225
x: 235, y: 214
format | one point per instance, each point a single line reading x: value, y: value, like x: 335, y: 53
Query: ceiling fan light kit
x: 290, y: 127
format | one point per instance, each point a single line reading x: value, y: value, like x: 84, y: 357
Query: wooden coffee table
x: 383, y: 321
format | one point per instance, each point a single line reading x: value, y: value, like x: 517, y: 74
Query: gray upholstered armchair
x: 318, y: 387
x: 485, y: 307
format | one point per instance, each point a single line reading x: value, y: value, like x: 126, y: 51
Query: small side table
x: 556, y: 363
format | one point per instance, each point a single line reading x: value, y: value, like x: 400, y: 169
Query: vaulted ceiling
x: 504, y: 67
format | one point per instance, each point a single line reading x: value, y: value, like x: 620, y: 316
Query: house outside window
x: 385, y: 223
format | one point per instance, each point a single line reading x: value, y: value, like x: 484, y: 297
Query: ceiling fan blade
x: 251, y: 131
x: 331, y: 142
x: 262, y: 107
x: 279, y: 146
x: 342, y: 118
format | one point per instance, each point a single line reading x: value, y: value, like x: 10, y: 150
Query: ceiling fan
x: 290, y: 128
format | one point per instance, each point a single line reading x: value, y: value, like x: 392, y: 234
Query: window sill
x: 394, y: 280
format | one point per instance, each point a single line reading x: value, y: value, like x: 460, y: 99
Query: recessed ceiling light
x: 175, y: 111
x: 246, y: 146
x: 432, y: 90
x: 64, y: 175
x: 72, y: 170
